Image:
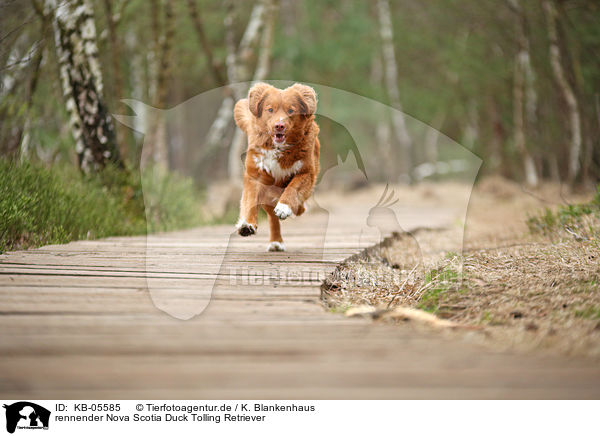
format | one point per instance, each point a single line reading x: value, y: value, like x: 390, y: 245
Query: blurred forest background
x: 517, y: 82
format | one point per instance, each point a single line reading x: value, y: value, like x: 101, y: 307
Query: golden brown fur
x: 282, y: 161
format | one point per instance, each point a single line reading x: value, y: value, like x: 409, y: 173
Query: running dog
x: 282, y: 160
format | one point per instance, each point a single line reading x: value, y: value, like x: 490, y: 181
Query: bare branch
x: 199, y: 26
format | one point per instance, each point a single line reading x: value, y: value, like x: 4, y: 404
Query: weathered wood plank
x: 78, y: 321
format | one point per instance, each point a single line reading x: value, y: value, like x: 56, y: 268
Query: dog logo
x: 26, y: 415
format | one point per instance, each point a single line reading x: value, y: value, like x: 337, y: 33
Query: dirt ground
x: 507, y: 286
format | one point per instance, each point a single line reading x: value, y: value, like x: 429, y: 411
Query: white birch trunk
x: 566, y: 89
x: 236, y: 62
x: 77, y: 52
x: 235, y: 73
x: 383, y: 133
x: 262, y: 70
x: 231, y: 60
x: 156, y: 148
x: 391, y: 79
x: 252, y: 32
x: 522, y: 69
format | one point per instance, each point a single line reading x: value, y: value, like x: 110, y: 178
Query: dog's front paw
x: 276, y: 246
x: 244, y: 228
x: 282, y: 210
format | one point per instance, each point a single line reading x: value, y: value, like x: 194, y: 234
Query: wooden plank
x: 79, y: 321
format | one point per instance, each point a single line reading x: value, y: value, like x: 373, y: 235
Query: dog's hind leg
x: 275, y: 239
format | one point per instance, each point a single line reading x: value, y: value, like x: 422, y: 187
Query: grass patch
x: 579, y: 220
x: 590, y: 286
x: 341, y: 308
x: 170, y: 201
x: 442, y: 280
x: 40, y: 205
x: 589, y: 312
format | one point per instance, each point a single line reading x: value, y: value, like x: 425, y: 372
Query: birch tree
x: 236, y: 55
x: 566, y: 90
x: 383, y: 132
x: 522, y: 81
x: 260, y: 73
x: 156, y: 149
x: 77, y: 53
x: 391, y: 80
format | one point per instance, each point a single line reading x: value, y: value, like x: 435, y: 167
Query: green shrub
x: 41, y: 205
x: 171, y: 201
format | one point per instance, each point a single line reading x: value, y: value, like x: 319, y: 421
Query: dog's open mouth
x: 279, y: 138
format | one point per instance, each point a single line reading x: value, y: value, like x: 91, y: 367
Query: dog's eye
x: 270, y: 109
x: 290, y: 111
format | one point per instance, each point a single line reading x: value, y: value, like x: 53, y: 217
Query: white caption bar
x: 22, y: 417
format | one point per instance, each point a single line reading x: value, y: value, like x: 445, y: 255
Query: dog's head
x: 283, y: 114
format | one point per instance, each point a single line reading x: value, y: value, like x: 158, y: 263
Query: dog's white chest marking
x: 268, y: 161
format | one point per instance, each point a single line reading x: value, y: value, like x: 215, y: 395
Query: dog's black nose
x: 279, y: 127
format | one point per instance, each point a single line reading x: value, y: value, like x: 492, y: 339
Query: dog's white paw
x: 244, y: 228
x: 276, y: 246
x: 282, y: 210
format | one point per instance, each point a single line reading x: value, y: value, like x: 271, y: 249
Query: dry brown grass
x: 528, y: 291
x: 375, y: 278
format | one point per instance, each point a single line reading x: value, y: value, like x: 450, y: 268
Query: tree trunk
x: 566, y: 90
x: 237, y: 60
x: 432, y: 136
x: 496, y: 157
x: 77, y: 52
x: 210, y: 59
x: 471, y: 130
x: 156, y: 149
x: 391, y: 79
x: 522, y: 68
x: 25, y: 134
x: 250, y: 37
x: 112, y: 20
x: 216, y: 132
x: 386, y: 170
x: 260, y: 73
x: 33, y: 81
x: 593, y: 154
x: 231, y: 60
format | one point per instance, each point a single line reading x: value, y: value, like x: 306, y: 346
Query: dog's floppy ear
x: 256, y: 98
x: 307, y: 97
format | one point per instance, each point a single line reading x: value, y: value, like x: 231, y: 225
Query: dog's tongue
x: 279, y: 137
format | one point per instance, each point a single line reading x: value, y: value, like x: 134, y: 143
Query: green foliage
x: 588, y: 312
x: 341, y: 308
x: 170, y: 200
x: 442, y: 280
x: 456, y: 63
x: 41, y: 205
x: 582, y: 219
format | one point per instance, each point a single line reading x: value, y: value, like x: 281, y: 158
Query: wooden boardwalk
x: 78, y: 321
